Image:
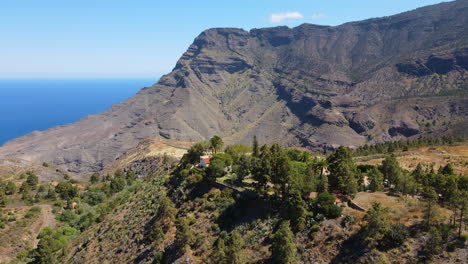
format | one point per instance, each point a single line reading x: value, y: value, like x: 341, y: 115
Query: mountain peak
x: 314, y: 86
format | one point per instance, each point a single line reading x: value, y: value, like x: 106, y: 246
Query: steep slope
x: 315, y: 86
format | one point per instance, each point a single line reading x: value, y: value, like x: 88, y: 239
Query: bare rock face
x: 313, y: 86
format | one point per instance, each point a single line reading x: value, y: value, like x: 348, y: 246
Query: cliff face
x: 314, y: 86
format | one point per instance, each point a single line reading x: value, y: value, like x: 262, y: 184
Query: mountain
x: 314, y: 86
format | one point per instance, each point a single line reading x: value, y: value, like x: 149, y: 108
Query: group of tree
x: 394, y: 146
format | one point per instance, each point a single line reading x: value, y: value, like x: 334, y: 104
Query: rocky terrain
x: 313, y: 86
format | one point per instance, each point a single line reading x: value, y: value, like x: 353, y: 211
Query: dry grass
x: 439, y: 156
x: 405, y: 209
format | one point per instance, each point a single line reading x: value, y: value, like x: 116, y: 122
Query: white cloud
x: 318, y: 16
x: 280, y: 17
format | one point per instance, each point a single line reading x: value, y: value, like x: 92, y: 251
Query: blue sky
x: 144, y: 38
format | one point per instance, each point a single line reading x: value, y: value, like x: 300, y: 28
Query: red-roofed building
x: 205, y: 161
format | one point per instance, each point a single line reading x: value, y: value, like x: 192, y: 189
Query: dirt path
x: 47, y: 218
x: 20, y: 237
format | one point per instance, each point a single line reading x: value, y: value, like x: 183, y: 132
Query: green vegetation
x: 283, y: 249
x: 393, y: 146
x: 51, y: 244
x: 249, y: 205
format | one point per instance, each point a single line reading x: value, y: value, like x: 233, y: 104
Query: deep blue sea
x: 37, y: 104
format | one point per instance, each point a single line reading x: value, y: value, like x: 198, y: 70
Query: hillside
x: 149, y: 207
x: 312, y: 86
x: 183, y: 215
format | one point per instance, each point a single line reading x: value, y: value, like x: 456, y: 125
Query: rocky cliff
x: 314, y: 86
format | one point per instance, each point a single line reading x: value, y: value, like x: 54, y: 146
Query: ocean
x: 37, y: 104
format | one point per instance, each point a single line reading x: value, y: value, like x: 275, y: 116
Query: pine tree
x: 430, y: 207
x: 376, y: 226
x: 281, y: 169
x: 391, y: 169
x: 261, y: 169
x: 283, y: 249
x: 234, y: 249
x: 157, y: 234
x: 376, y: 179
x: 256, y: 151
x: 297, y: 211
x: 219, y: 252
x: 323, y: 183
x: 184, y: 235
x: 343, y: 172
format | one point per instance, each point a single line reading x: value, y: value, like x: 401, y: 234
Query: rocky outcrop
x: 314, y: 86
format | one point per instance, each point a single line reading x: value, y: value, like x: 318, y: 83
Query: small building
x: 341, y: 200
x: 205, y: 161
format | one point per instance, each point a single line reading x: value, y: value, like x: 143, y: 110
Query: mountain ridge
x: 316, y: 86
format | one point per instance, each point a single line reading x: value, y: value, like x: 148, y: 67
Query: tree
x: 226, y: 158
x: 376, y: 226
x: 51, y: 194
x: 447, y: 169
x: 280, y: 169
x: 10, y: 188
x: 297, y: 212
x: 343, y: 171
x: 216, y: 144
x: 157, y: 233
x: 130, y: 176
x: 430, y: 207
x: 242, y: 168
x: 236, y: 151
x: 167, y: 209
x: 302, y: 178
x: 94, y: 178
x: 255, y: 149
x: 282, y: 249
x: 261, y: 168
x: 220, y: 251
x: 395, y: 236
x: 27, y: 198
x: 325, y: 204
x: 391, y: 169
x: 433, y: 245
x: 66, y: 190
x: 234, y: 249
x: 215, y: 170
x: 193, y: 154
x: 184, y: 235
x: 376, y: 179
x: 32, y: 180
x: 117, y: 184
x: 51, y: 242
x: 25, y: 187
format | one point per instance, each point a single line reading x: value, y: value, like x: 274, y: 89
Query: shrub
x: 66, y: 190
x: 32, y: 212
x: 67, y: 216
x: 395, y: 236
